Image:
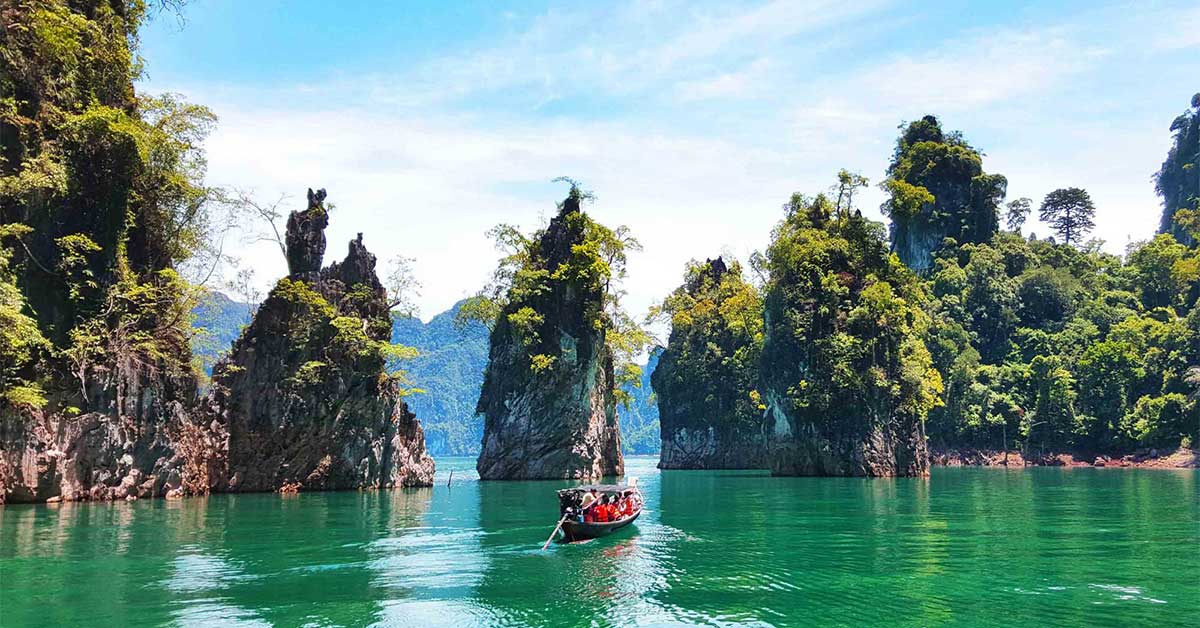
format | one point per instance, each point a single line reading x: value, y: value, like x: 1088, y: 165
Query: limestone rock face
x: 894, y: 448
x: 558, y: 422
x: 707, y: 448
x: 915, y: 239
x: 304, y: 399
x: 123, y: 450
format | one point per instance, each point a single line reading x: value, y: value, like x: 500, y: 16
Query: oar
x: 560, y: 522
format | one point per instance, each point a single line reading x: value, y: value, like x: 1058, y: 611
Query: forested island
x: 846, y: 347
x: 968, y: 335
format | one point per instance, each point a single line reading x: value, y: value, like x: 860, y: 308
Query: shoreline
x: 1180, y: 458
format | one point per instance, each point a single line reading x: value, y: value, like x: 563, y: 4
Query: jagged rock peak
x: 358, y: 267
x: 557, y: 420
x: 305, y: 237
x: 304, y: 396
x: 713, y: 269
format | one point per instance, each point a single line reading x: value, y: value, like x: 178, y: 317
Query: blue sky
x: 691, y: 121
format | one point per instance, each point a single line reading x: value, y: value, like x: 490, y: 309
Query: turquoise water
x: 1062, y: 547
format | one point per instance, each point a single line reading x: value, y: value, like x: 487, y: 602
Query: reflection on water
x: 967, y: 546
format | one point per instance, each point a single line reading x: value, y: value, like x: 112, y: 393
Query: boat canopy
x: 600, y: 488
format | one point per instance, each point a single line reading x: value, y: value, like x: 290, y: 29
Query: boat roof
x: 600, y: 488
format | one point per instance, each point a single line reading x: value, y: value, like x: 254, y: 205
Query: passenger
x: 604, y: 510
x: 630, y: 505
x: 588, y: 505
x: 588, y: 499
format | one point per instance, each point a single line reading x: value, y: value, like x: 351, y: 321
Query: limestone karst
x: 548, y: 393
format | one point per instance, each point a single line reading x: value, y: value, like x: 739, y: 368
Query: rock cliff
x: 121, y: 448
x: 706, y: 377
x: 304, y: 398
x: 547, y: 397
x: 94, y: 358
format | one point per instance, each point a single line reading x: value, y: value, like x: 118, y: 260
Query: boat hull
x: 576, y: 531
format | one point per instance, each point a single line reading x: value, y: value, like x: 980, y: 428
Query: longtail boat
x: 571, y: 499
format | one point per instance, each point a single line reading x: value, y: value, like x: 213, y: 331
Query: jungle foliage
x: 707, y: 375
x: 844, y: 323
x: 102, y: 203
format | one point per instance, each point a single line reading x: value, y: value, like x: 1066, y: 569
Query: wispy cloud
x: 694, y: 123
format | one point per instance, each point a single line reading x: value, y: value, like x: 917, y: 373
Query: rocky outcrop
x: 124, y: 449
x: 938, y: 190
x: 303, y: 402
x: 868, y: 446
x: 304, y: 398
x: 547, y: 398
x: 709, y: 448
x: 305, y: 237
x: 846, y: 376
x: 706, y: 376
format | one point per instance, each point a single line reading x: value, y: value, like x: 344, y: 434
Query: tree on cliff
x: 845, y: 368
x: 706, y: 381
x: 1178, y: 181
x: 1069, y: 211
x: 937, y: 189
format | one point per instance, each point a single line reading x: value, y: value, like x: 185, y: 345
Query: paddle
x: 560, y: 522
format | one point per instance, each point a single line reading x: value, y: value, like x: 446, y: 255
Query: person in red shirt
x: 604, y: 510
x: 628, y: 504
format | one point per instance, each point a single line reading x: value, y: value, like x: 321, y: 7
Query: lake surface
x: 1062, y: 547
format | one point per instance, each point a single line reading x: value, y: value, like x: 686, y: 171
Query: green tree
x: 1162, y: 271
x: 1046, y: 296
x: 1052, y: 421
x: 989, y: 301
x: 1107, y: 374
x: 1069, y: 211
x: 848, y: 183
x: 1016, y: 212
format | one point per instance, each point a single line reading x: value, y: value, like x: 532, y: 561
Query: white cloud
x: 716, y: 118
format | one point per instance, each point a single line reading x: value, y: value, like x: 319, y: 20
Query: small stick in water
x: 451, y: 478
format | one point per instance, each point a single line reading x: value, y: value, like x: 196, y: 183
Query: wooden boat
x: 574, y: 530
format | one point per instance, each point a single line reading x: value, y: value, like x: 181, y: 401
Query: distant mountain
x: 219, y: 321
x: 449, y: 369
x: 639, y: 421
